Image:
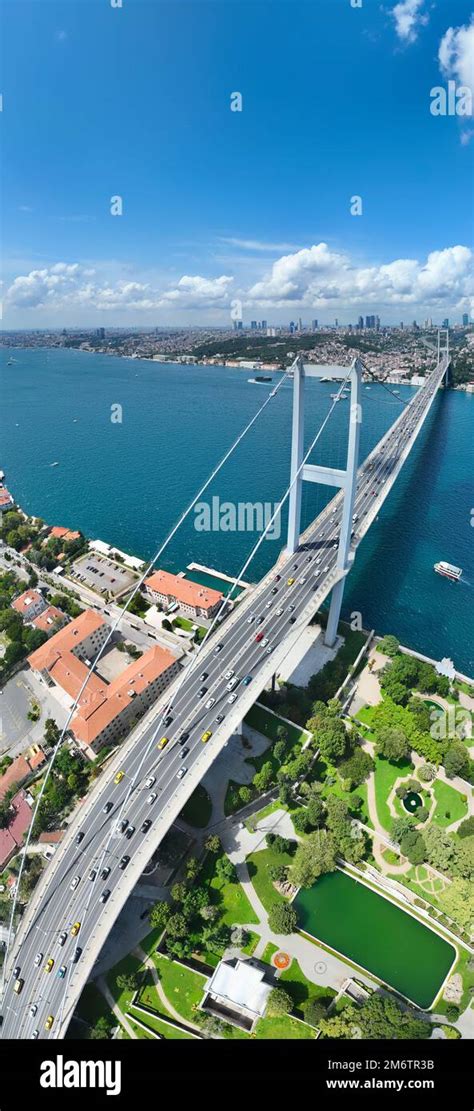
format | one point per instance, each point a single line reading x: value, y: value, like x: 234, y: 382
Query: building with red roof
x: 192, y: 597
x: 30, y: 604
x: 12, y: 836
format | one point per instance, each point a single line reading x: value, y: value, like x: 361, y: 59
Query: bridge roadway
x: 286, y: 610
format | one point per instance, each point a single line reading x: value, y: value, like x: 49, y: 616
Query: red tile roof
x: 12, y: 837
x: 28, y: 598
x: 184, y: 590
x: 21, y: 769
x: 67, y: 638
x: 91, y: 719
x: 60, y: 533
x: 51, y: 618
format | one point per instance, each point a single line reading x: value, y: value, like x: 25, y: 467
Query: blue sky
x: 221, y: 205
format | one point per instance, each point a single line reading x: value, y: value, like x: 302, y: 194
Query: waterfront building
x: 192, y: 598
x: 30, y: 604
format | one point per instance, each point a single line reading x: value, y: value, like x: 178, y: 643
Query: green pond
x: 375, y: 934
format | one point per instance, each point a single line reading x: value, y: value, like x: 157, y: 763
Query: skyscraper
x: 314, y: 325
x: 465, y: 319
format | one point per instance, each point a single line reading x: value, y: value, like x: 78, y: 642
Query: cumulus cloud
x: 70, y: 284
x: 409, y: 16
x: 456, y: 54
x: 317, y: 277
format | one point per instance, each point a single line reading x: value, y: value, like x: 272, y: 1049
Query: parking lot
x: 101, y: 574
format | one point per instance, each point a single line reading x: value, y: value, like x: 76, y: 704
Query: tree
x: 457, y: 900
x: 225, y: 870
x: 282, y: 844
x: 193, y: 868
x: 282, y: 918
x: 127, y: 981
x: 263, y: 779
x: 452, y: 1012
x: 278, y: 873
x: 316, y: 811
x: 102, y: 1029
x: 314, y: 1010
x: 284, y: 794
x: 245, y: 795
x: 357, y: 767
x: 332, y: 740
x: 314, y: 856
x: 279, y: 750
x: 239, y: 936
x: 177, y: 926
x: 393, y: 744
x: 179, y: 892
x: 463, y: 861
x: 456, y: 760
x: 209, y: 913
x: 466, y: 829
x: 212, y: 843
x: 426, y: 773
x: 159, y: 915
x: 300, y: 819
x: 412, y: 846
x: 382, y: 1017
x: 279, y: 1002
x: 389, y: 645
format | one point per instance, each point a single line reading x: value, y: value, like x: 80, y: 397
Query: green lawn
x: 198, y: 809
x: 268, y: 724
x: 301, y: 989
x: 450, y: 804
x: 232, y: 902
x: 182, y: 987
x: 283, y: 1028
x: 258, y: 864
x: 155, y: 1023
x: 183, y: 623
x: 127, y: 965
x: 467, y: 975
x: 386, y: 773
x: 93, y: 1006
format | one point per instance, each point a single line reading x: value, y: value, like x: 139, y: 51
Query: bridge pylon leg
x: 334, y: 613
x: 297, y: 453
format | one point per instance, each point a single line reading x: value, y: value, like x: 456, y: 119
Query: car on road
x: 124, y: 860
x: 264, y: 642
x: 92, y: 874
x: 79, y: 837
x: 62, y: 938
x: 260, y: 619
x: 269, y: 649
x: 163, y: 742
x: 35, y: 1035
x: 105, y: 895
x: 277, y: 578
x: 33, y: 1009
x: 184, y: 752
x: 38, y: 959
x: 251, y: 619
x: 49, y: 965
x: 246, y: 680
x: 295, y: 567
x: 259, y: 637
x: 184, y: 737
x: 292, y: 620
x: 49, y: 1022
x: 167, y: 721
x: 16, y: 971
x: 104, y: 873
x: 121, y: 826
x: 326, y: 569
x: 218, y: 649
x: 62, y: 971
x: 206, y: 736
x: 150, y: 781
x: 274, y: 590
x: 291, y: 608
x: 201, y: 692
x: 303, y: 580
x: 290, y: 582
x: 233, y: 697
x: 309, y: 559
x: 210, y: 703
x: 151, y: 798
x: 145, y: 825
x: 76, y: 954
x: 75, y: 883
x: 75, y: 929
x: 129, y: 832
x: 278, y: 612
x: 268, y: 604
x: 18, y: 986
x: 181, y: 773
x: 229, y: 674
x: 107, y: 808
x: 220, y: 718
x: 204, y: 676
x: 234, y: 682
x: 118, y: 778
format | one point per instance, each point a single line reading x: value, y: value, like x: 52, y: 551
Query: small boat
x: 10, y: 362
x: 54, y: 464
x: 260, y: 378
x: 448, y: 570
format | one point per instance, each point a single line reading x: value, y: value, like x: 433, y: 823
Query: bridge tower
x: 444, y: 352
x: 346, y: 479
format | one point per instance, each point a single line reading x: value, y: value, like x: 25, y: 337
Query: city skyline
x: 252, y: 211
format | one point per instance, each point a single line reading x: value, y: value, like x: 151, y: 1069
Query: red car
x: 259, y: 636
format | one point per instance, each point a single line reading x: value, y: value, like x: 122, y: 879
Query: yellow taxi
x: 49, y: 1022
x: 119, y: 777
x: 290, y: 582
x: 18, y: 986
x: 75, y: 929
x: 206, y: 736
x: 164, y: 741
x: 49, y: 965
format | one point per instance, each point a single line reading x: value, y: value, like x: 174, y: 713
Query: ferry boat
x: 260, y: 378
x: 448, y: 570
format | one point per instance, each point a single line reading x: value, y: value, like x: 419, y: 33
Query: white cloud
x: 257, y: 244
x: 317, y: 277
x: 409, y: 16
x: 71, y: 285
x: 456, y: 54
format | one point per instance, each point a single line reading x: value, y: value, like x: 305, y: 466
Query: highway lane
x: 61, y: 907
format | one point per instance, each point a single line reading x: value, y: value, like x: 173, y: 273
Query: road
x: 280, y: 607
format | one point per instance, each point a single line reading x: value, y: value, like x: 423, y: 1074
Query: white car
x: 232, y: 697
x: 33, y: 1009
x: 152, y: 798
x: 38, y: 959
x: 182, y: 771
x: 150, y: 781
x: 210, y: 703
x: 75, y: 883
x: 251, y: 619
x: 270, y: 603
x: 264, y: 642
x: 303, y: 580
x: 229, y: 674
x: 278, y: 613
